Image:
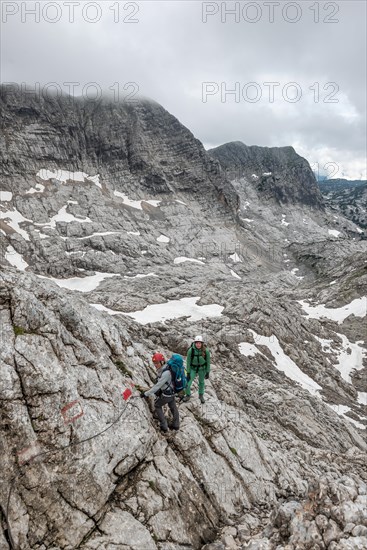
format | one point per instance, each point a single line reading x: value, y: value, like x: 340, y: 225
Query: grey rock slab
x: 261, y: 443
x: 120, y: 529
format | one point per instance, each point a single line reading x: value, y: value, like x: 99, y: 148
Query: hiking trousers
x: 171, y: 402
x: 193, y: 373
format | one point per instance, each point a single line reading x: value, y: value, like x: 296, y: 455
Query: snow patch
x: 357, y: 307
x: 65, y: 175
x: 350, y: 357
x: 63, y: 216
x: 135, y: 204
x: 249, y: 350
x: 140, y: 275
x: 163, y: 239
x: 74, y: 252
x: 42, y: 235
x: 235, y: 257
x: 294, y: 270
x: 325, y: 344
x: 285, y: 363
x: 267, y: 173
x: 81, y: 284
x: 95, y: 180
x: 174, y: 309
x: 235, y: 275
x: 133, y: 232
x: 170, y: 310
x: 38, y: 188
x: 341, y: 410
x: 15, y: 259
x: 182, y: 259
x: 15, y: 218
x: 5, y: 196
x: 100, y: 307
x: 334, y: 232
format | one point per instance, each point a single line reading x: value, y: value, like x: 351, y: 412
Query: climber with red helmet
x: 164, y: 394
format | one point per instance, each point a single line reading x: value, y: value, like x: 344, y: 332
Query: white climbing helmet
x: 198, y: 338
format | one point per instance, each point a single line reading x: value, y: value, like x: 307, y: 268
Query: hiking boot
x: 186, y: 398
x: 164, y: 430
x: 202, y: 400
x: 172, y: 427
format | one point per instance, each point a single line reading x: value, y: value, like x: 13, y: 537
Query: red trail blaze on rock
x: 126, y: 394
x: 72, y: 411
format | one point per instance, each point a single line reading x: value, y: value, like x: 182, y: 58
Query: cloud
x: 170, y: 52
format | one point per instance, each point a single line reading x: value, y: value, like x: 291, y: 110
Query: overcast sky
x: 186, y: 64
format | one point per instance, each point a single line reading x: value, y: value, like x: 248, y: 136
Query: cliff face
x: 84, y: 465
x: 139, y: 144
x: 120, y: 236
x: 348, y: 198
x: 277, y: 172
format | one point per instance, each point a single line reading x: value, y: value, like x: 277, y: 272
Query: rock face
x: 348, y: 198
x: 120, y: 237
x: 131, y: 145
x: 331, y: 516
x: 104, y: 475
x: 277, y: 172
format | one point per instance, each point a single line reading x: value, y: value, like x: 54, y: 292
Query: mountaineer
x: 171, y: 379
x: 197, y: 362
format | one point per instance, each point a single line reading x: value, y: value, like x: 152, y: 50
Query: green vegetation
x: 123, y: 369
x: 18, y: 331
x: 234, y: 451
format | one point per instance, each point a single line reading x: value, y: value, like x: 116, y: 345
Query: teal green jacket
x: 196, y: 361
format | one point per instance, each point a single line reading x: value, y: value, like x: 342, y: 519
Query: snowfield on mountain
x: 122, y: 236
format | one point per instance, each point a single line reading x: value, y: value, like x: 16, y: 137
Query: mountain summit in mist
x: 121, y: 236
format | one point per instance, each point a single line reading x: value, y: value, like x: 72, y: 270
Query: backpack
x: 177, y: 368
x: 203, y: 353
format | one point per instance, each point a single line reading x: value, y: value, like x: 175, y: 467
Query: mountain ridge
x: 104, y: 263
x: 286, y: 176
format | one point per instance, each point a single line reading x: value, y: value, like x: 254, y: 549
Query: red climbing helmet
x: 158, y: 358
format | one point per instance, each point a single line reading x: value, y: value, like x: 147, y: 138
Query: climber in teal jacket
x: 197, y: 362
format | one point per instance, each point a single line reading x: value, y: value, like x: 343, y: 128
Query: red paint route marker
x: 72, y: 411
x: 29, y: 453
x: 127, y: 392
